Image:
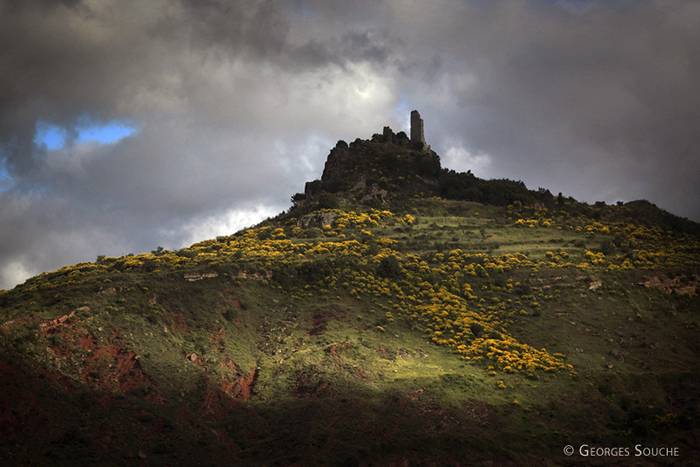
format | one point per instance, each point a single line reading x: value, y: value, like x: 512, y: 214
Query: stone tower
x: 417, y: 135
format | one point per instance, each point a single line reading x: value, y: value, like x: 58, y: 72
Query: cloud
x: 237, y: 103
x: 597, y: 98
x: 460, y: 159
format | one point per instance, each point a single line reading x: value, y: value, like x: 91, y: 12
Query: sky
x: 127, y: 125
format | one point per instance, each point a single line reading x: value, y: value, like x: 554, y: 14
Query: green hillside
x: 397, y: 314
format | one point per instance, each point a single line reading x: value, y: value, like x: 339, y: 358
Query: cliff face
x: 338, y: 162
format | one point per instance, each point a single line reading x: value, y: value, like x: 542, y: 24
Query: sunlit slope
x: 415, y: 329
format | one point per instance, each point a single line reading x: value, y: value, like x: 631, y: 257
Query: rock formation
x: 350, y: 165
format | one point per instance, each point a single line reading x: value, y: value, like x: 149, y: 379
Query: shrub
x: 389, y: 268
x: 328, y: 201
x: 607, y: 246
x: 186, y: 253
x: 521, y: 289
x: 476, y: 329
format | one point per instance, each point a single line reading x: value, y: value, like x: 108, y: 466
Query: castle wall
x: 388, y: 135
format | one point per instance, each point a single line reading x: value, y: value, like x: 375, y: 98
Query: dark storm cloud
x: 236, y: 104
x: 596, y: 100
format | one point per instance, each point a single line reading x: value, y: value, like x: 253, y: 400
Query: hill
x: 397, y: 314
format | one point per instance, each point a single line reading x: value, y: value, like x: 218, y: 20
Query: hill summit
x: 399, y: 313
x: 400, y: 167
x: 389, y: 169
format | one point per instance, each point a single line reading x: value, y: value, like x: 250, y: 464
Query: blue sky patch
x: 105, y: 134
x: 54, y: 136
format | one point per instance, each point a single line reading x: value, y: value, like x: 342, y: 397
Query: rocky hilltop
x: 364, y: 166
x: 391, y: 167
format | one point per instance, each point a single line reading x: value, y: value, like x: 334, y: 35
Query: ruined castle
x: 417, y: 134
x: 371, y: 165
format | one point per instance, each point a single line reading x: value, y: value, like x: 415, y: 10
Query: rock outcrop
x: 337, y: 161
x: 372, y: 166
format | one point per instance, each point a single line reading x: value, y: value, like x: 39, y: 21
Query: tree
x: 298, y: 198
